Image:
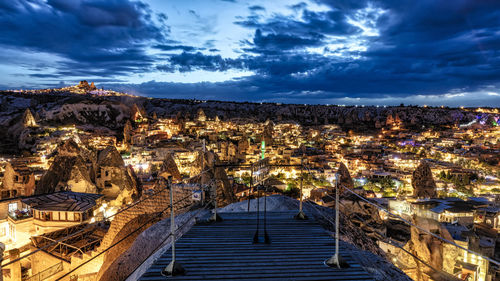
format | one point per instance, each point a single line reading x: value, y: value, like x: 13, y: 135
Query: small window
x: 12, y: 207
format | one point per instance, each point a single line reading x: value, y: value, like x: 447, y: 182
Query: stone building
x: 62, y: 209
x: 18, y: 180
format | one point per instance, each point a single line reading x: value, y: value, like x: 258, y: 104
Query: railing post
x: 259, y: 188
x: 215, y: 217
x: 301, y: 215
x: 203, y: 170
x: 174, y: 268
x: 256, y: 235
x: 336, y: 260
x: 266, y: 237
x: 251, y: 187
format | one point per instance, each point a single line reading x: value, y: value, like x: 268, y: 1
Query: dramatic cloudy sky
x: 314, y: 51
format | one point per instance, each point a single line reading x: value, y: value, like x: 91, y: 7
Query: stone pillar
x: 15, y: 268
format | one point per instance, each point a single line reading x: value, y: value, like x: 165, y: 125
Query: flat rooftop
x: 63, y: 201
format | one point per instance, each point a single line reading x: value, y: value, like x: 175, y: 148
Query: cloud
x: 88, y: 33
x: 186, y: 62
x: 174, y: 47
x: 256, y: 8
x: 377, y: 48
x: 314, y: 50
x: 277, y: 43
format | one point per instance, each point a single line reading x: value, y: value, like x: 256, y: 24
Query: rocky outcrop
x: 200, y: 116
x: 23, y: 130
x: 169, y: 167
x: 84, y: 85
x: 112, y: 112
x: 423, y: 182
x: 29, y: 119
x: 345, y: 180
x: 203, y: 171
x: 426, y: 247
x: 67, y: 172
x: 137, y: 113
x: 267, y: 135
x: 79, y: 169
x: 127, y: 132
x: 109, y: 114
x: 113, y: 178
x: 363, y: 215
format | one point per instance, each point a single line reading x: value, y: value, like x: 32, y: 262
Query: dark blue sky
x: 436, y: 52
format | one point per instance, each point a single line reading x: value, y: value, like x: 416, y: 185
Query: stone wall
x: 150, y: 204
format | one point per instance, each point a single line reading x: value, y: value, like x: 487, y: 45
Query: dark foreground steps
x: 224, y: 251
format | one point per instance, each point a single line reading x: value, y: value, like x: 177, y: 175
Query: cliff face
x: 423, y: 182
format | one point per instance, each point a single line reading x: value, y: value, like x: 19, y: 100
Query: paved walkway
x: 224, y: 251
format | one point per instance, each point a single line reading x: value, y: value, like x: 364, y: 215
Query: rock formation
x: 363, y: 215
x: 426, y: 247
x: 345, y: 180
x: 137, y: 113
x: 23, y: 129
x: 78, y: 169
x: 113, y: 179
x: 28, y: 119
x: 85, y: 85
x: 423, y: 182
x: 67, y: 172
x: 200, y: 116
x: 268, y: 132
x: 127, y: 132
x: 204, y: 172
x: 389, y: 121
x: 170, y: 167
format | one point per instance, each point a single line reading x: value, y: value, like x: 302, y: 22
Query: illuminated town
x: 304, y: 140
x: 69, y: 169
